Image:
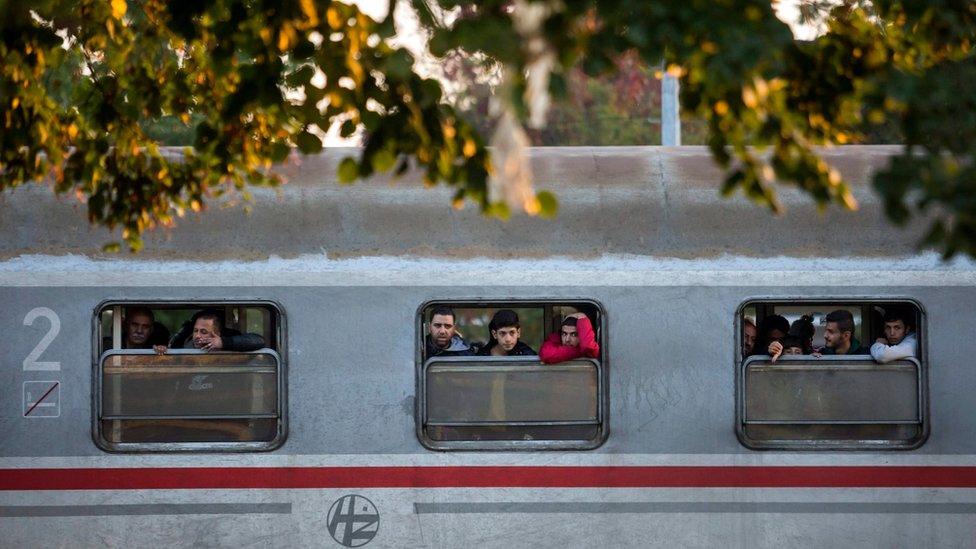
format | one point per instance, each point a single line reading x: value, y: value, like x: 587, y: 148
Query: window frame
x: 421, y: 364
x: 280, y: 352
x: 740, y: 363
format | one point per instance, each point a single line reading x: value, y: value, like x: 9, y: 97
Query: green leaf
x: 399, y: 66
x: 383, y: 160
x: 348, y: 171
x: 308, y: 143
x: 499, y: 210
x: 347, y: 129
x: 548, y: 204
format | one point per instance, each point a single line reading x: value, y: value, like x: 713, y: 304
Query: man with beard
x: 839, y: 335
x: 442, y: 337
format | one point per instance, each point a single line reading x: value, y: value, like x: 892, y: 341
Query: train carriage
x: 341, y: 430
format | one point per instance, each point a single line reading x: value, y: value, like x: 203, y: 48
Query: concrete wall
x: 632, y: 200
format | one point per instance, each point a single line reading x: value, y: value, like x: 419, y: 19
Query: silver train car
x: 340, y: 430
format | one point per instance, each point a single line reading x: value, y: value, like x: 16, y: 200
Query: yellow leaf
x: 833, y: 177
x: 308, y: 8
x: 749, y: 98
x: 286, y: 37
x: 850, y: 202
x: 334, y: 18
x: 469, y: 148
x: 72, y: 131
x: 118, y: 8
x: 676, y: 71
x: 721, y: 108
x: 15, y: 103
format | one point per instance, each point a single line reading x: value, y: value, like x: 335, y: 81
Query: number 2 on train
x: 31, y: 363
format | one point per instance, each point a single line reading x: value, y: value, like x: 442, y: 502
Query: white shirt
x: 887, y: 353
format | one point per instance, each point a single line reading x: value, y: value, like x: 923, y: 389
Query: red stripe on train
x: 488, y: 477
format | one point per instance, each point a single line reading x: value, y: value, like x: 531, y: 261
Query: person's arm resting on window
x: 242, y: 342
x: 884, y: 353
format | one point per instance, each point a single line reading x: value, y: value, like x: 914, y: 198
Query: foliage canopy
x: 85, y: 84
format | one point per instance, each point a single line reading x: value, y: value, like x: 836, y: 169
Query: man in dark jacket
x: 442, y: 337
x: 505, y: 333
x: 206, y: 331
x: 839, y: 335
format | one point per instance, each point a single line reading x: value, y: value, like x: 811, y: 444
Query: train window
x: 866, y: 389
x: 472, y: 398
x: 183, y: 391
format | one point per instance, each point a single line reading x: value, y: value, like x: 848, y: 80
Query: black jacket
x: 520, y: 349
x: 232, y: 339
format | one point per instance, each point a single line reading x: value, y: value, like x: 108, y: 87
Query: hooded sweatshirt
x: 455, y: 347
x: 553, y: 351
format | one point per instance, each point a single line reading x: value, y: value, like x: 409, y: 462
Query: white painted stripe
x: 748, y: 507
x: 611, y: 270
x: 115, y: 510
x: 488, y: 458
x: 479, y: 279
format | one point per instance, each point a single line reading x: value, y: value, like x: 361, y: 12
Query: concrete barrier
x: 654, y: 201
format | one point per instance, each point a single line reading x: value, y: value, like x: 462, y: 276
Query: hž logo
x: 197, y: 384
x: 353, y: 520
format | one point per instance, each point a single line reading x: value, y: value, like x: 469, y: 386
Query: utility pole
x: 670, y: 119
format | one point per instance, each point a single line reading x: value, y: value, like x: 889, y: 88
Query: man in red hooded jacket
x: 574, y: 339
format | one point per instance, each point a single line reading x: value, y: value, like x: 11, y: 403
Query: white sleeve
x: 887, y: 353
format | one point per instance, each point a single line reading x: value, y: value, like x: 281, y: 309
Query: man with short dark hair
x: 899, y: 341
x: 505, y: 333
x: 574, y: 339
x: 839, y: 335
x: 205, y: 331
x: 442, y: 337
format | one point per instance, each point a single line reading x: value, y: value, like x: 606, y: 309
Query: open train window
x: 188, y: 376
x: 854, y: 375
x: 472, y: 398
